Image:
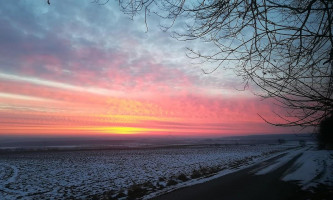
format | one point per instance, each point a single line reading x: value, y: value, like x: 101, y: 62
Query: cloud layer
x: 76, y: 67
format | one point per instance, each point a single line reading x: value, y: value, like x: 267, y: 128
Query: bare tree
x: 284, y: 47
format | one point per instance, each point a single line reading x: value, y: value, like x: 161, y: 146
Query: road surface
x: 244, y: 185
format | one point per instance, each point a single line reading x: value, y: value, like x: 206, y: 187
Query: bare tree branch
x: 284, y: 47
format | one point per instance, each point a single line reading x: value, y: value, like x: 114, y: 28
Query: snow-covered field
x: 119, y: 173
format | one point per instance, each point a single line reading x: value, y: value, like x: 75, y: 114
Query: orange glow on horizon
x: 37, y: 109
x: 122, y: 130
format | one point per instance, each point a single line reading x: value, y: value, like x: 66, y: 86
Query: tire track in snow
x: 13, y: 176
x: 270, y: 167
x: 11, y: 179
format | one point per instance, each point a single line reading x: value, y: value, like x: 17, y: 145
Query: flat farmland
x: 119, y: 173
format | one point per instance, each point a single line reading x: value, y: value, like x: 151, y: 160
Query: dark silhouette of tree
x: 302, y: 143
x: 282, y: 47
x: 281, y: 141
x: 325, y: 134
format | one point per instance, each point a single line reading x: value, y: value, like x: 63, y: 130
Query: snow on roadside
x: 312, y: 168
x: 279, y: 162
x: 224, y: 172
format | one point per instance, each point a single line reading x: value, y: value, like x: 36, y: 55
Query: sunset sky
x: 79, y: 68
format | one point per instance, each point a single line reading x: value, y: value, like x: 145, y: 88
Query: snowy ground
x: 313, y: 168
x: 122, y: 173
x: 265, y: 179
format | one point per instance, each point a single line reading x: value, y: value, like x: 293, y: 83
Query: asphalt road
x: 243, y: 185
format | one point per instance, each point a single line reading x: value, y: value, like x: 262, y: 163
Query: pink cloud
x: 109, y: 69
